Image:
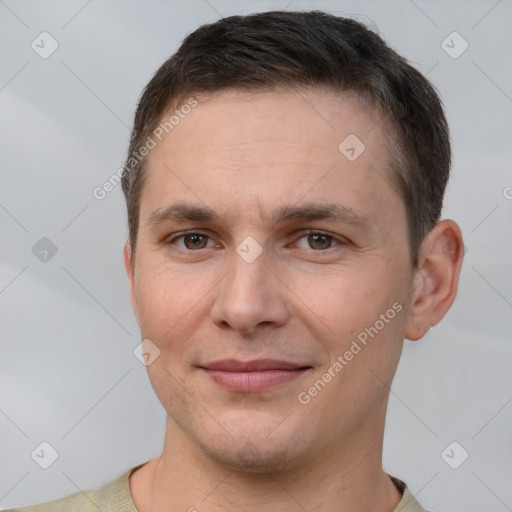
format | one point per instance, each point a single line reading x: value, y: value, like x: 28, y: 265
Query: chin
x: 250, y: 458
x: 253, y: 447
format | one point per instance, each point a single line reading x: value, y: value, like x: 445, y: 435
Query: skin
x: 302, y: 299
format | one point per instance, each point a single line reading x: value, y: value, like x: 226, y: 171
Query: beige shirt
x: 115, y: 497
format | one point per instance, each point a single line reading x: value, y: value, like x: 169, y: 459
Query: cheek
x: 173, y: 301
x: 345, y: 297
x: 165, y: 294
x: 357, y: 303
x: 161, y: 303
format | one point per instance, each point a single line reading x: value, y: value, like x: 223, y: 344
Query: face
x: 273, y: 274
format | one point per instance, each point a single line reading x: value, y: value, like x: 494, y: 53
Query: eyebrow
x: 307, y: 212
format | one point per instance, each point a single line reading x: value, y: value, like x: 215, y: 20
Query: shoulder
x: 82, y: 501
x: 112, y: 497
x: 408, y: 503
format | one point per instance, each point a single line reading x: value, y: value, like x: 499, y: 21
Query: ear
x: 130, y: 273
x: 436, y: 279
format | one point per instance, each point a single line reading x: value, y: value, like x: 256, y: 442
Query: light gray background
x: 68, y: 375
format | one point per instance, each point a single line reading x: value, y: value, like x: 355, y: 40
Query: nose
x: 250, y: 297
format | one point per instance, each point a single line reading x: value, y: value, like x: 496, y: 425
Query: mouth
x: 253, y: 376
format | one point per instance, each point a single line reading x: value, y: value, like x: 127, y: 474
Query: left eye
x: 322, y: 241
x: 316, y: 240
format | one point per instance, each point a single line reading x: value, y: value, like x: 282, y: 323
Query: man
x: 284, y: 185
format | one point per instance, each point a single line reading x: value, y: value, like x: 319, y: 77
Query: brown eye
x: 319, y: 241
x: 190, y: 241
x: 195, y: 241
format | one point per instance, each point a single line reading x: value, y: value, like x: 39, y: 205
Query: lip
x: 253, y: 376
x: 234, y: 365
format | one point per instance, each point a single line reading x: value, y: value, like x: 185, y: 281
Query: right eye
x: 192, y: 240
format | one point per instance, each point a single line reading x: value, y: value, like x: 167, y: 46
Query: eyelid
x: 338, y: 238
x: 341, y: 241
x: 176, y: 236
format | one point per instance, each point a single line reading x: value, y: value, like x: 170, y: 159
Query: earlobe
x: 435, y: 283
x: 130, y: 273
x: 421, y: 303
x: 127, y: 257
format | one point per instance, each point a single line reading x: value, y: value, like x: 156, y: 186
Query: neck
x: 344, y: 478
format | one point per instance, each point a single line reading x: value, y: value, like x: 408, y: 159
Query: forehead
x: 294, y: 116
x: 236, y: 149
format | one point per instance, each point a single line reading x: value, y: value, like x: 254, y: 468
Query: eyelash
x: 340, y: 242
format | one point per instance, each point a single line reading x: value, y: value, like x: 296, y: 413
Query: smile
x: 253, y: 376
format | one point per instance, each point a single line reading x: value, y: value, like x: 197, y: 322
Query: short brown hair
x: 281, y: 49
